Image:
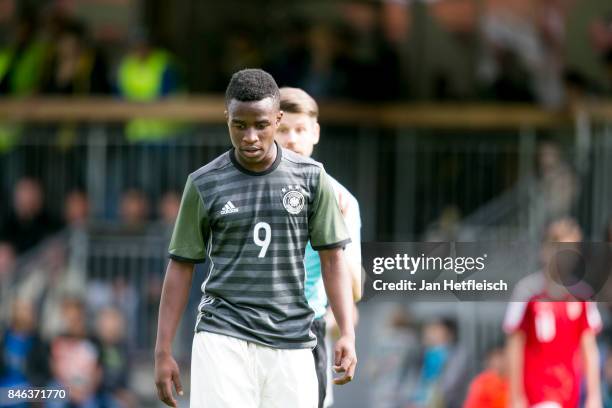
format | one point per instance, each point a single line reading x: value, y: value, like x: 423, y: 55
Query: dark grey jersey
x: 254, y: 228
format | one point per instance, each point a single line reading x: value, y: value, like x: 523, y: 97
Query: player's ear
x: 226, y: 115
x: 317, y: 132
x: 279, y: 116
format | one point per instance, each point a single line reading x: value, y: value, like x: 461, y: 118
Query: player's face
x: 252, y: 126
x: 298, y: 132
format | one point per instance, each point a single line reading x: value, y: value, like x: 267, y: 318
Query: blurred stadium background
x: 448, y: 120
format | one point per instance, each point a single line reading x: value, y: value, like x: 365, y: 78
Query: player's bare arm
x: 515, y: 346
x: 351, y: 216
x: 355, y: 272
x: 337, y: 280
x: 175, y: 294
x: 590, y: 356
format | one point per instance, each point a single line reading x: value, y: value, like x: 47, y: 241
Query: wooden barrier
x: 209, y: 109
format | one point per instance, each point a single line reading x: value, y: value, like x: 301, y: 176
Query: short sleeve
x: 352, y: 220
x: 326, y: 226
x: 514, y: 320
x: 590, y: 318
x: 189, y: 237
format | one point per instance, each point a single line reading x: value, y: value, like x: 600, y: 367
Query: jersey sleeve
x: 189, y: 237
x: 590, y: 319
x: 326, y: 226
x: 352, y: 219
x: 514, y: 320
x: 349, y: 206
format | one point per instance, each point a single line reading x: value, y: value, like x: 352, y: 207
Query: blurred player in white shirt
x: 299, y: 131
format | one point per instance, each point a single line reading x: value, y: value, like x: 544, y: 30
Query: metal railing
x: 405, y: 163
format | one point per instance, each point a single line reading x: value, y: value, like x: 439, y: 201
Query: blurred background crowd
x: 542, y: 51
x: 87, y: 206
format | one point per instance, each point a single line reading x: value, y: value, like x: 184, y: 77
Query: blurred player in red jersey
x: 551, y: 338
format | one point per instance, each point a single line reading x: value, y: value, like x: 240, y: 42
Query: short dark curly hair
x: 250, y: 85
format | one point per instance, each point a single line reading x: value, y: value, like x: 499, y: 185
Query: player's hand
x: 345, y: 359
x: 167, y: 375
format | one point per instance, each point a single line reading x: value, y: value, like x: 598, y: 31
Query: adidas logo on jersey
x: 229, y: 208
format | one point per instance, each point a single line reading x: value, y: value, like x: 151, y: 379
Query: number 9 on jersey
x: 265, y: 242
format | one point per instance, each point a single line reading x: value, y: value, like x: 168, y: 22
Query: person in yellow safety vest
x: 22, y: 62
x: 147, y: 74
x: 77, y: 66
x: 21, y: 69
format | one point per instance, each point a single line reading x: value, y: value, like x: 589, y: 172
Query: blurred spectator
x: 47, y: 280
x: 23, y: 60
x: 76, y: 209
x: 7, y: 261
x: 607, y: 59
x: 601, y: 38
x: 290, y: 63
x: 446, y: 227
x: 554, y: 192
x: 240, y: 49
x: 117, y: 292
x: 508, y: 38
x: 309, y: 59
x: 110, y: 330
x: 396, y: 21
x: 339, y: 60
x: 76, y: 68
x: 458, y: 17
x: 443, y: 369
x: 28, y: 224
x: 511, y: 81
x: 524, y: 47
x: 147, y: 74
x: 601, y: 34
x: 74, y: 318
x: 396, y: 24
x: 490, y: 388
x: 550, y: 20
x: 134, y: 211
x: 169, y: 206
x: 366, y: 53
x: 75, y: 361
x: 323, y: 76
x: 23, y: 355
x: 10, y: 132
x: 577, y: 88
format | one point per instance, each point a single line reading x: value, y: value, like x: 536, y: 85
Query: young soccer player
x: 299, y: 131
x: 251, y: 211
x: 551, y: 338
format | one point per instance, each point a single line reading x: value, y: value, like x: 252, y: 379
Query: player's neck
x: 261, y: 166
